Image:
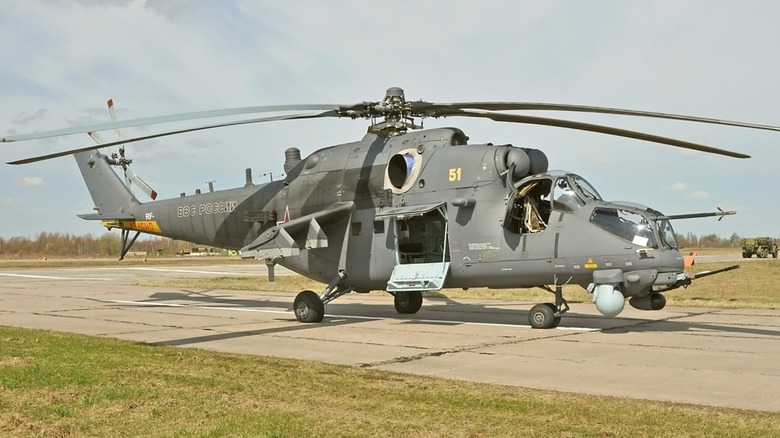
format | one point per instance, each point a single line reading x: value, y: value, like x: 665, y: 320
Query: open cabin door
x: 421, y: 247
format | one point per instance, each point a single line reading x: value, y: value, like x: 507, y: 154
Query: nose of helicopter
x: 672, y: 260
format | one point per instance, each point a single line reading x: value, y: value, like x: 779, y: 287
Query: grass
x: 66, y: 385
x: 752, y: 286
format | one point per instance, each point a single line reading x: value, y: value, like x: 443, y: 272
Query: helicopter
x: 409, y: 210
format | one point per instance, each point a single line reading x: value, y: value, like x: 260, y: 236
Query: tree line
x: 691, y: 240
x: 46, y: 244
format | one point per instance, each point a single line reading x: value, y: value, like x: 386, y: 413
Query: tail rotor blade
x: 146, y: 188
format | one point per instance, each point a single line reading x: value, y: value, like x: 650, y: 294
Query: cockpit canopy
x: 571, y: 191
x: 530, y: 206
x: 636, y: 225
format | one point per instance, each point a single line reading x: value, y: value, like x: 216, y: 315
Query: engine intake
x: 402, y: 170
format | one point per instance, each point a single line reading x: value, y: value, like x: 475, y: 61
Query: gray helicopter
x: 408, y: 210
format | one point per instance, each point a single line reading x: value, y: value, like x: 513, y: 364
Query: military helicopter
x: 408, y: 210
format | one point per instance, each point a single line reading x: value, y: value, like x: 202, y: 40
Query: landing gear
x: 407, y: 302
x: 548, y: 315
x: 125, y: 246
x: 308, y: 307
x: 543, y: 316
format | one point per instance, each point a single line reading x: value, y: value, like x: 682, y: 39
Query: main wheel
x: 408, y: 302
x: 542, y: 316
x: 308, y: 307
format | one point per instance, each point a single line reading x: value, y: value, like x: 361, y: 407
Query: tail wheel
x: 408, y: 302
x: 308, y: 307
x: 542, y: 316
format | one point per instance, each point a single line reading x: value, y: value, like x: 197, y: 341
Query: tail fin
x: 112, y: 198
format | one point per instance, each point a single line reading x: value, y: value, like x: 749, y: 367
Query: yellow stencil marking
x: 147, y: 226
x: 590, y: 265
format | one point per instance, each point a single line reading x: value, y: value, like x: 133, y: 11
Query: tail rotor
x: 116, y: 157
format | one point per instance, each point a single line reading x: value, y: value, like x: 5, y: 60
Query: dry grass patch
x: 82, y: 386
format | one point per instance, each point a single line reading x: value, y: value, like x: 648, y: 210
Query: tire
x: 557, y: 319
x: 542, y: 316
x: 408, y: 302
x: 308, y: 307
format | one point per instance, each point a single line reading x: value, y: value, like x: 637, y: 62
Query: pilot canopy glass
x: 529, y: 208
x: 634, y: 227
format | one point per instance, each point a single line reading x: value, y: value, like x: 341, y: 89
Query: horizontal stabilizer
x: 107, y: 217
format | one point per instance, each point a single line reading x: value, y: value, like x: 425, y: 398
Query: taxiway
x: 713, y: 357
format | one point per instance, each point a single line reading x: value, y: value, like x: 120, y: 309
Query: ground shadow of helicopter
x: 407, y: 210
x: 443, y: 311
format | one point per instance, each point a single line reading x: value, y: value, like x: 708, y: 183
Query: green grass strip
x: 64, y: 385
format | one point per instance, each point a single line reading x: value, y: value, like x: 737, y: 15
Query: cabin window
x: 379, y: 227
x: 357, y: 228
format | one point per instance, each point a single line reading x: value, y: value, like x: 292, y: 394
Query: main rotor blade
x: 168, y: 119
x: 561, y: 123
x: 434, y: 109
x: 331, y: 113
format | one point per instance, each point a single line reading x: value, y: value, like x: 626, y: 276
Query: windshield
x: 668, y: 239
x: 627, y: 225
x: 584, y: 187
x: 565, y: 198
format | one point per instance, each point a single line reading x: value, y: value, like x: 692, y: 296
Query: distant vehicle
x: 762, y: 247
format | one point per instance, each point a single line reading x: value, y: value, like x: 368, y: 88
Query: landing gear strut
x: 125, y: 247
x: 309, y: 307
x: 548, y: 315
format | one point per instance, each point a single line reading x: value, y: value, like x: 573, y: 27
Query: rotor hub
x: 398, y: 114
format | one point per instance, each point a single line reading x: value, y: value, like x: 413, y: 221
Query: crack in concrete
x: 439, y: 353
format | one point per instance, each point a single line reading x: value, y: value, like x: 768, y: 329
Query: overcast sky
x: 63, y: 59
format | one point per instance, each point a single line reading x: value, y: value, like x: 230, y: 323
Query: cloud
x: 32, y: 181
x: 103, y: 3
x: 698, y: 195
x: 171, y: 9
x: 679, y: 186
x: 158, y: 57
x: 25, y: 117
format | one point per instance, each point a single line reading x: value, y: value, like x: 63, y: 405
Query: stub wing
x: 288, y: 238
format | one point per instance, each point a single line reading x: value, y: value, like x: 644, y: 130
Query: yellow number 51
x: 455, y: 174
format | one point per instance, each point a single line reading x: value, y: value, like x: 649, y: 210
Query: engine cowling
x: 522, y: 161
